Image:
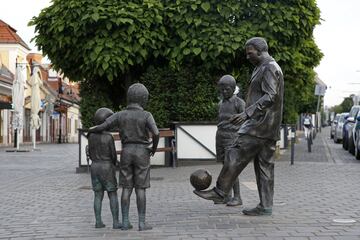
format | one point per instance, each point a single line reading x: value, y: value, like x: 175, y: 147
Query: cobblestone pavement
x: 41, y: 197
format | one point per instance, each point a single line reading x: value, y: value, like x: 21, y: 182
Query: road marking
x: 279, y: 203
x: 344, y: 220
x: 329, y: 156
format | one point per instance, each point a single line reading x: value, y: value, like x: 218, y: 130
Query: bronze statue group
x: 246, y: 131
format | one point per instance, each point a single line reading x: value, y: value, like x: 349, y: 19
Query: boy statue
x: 103, y: 155
x: 134, y: 125
x: 226, y: 131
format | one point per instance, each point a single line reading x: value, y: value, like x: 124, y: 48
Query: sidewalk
x: 42, y: 198
x: 323, y: 150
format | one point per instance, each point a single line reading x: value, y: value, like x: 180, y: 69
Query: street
x: 317, y: 198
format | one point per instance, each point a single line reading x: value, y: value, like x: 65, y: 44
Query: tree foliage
x: 94, y: 96
x: 344, y: 106
x: 116, y: 41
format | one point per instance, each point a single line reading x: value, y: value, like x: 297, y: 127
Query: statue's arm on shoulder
x: 109, y: 124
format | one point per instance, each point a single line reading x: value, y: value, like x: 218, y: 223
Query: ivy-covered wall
x: 186, y: 94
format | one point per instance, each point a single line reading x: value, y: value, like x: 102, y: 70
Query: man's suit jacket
x: 264, y: 102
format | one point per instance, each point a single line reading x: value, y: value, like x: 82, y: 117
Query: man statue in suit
x: 259, y: 131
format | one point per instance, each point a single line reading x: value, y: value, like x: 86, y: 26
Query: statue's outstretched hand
x: 238, y: 119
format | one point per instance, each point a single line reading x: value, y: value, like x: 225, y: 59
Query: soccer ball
x: 200, y: 179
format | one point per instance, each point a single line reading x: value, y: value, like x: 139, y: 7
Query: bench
x: 164, y: 133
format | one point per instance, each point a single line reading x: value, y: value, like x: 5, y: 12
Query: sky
x: 336, y: 36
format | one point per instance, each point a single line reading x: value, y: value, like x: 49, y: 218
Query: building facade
x: 59, y: 111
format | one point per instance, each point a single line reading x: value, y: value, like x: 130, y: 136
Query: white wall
x: 188, y: 148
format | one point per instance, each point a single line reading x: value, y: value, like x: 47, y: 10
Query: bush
x: 187, y: 94
x: 93, y: 96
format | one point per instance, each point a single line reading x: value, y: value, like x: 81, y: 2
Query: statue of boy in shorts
x: 226, y: 132
x: 134, y: 125
x: 103, y: 156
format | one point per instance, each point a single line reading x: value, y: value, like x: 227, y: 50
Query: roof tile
x: 9, y: 35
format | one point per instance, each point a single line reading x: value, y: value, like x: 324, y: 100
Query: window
x: 68, y: 125
x: 76, y: 125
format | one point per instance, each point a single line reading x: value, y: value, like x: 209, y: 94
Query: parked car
x: 357, y: 138
x: 338, y: 134
x: 348, y: 137
x: 333, y: 125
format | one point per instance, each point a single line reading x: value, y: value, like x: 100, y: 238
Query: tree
x: 115, y: 42
x: 344, y: 106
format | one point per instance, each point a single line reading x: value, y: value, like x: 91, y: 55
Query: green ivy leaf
x: 143, y: 53
x: 189, y: 19
x: 197, y: 21
x: 186, y: 51
x: 98, y: 49
x: 183, y: 44
x: 194, y: 42
x: 95, y: 16
x: 141, y: 41
x: 205, y: 6
x: 238, y: 39
x: 175, y: 52
x: 197, y: 51
x: 203, y: 56
x: 61, y: 28
x: 127, y: 48
x: 108, y: 25
x: 110, y: 77
x: 130, y: 62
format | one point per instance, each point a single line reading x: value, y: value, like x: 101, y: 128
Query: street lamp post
x: 60, y: 121
x: 319, y: 91
x: 60, y: 91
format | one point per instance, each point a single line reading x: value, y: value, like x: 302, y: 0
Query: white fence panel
x: 157, y: 160
x: 195, y: 141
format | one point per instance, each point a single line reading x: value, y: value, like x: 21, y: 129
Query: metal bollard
x: 286, y: 134
x: 173, y: 153
x: 292, y: 144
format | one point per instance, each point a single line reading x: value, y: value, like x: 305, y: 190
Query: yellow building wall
x: 4, y: 57
x: 73, y: 117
